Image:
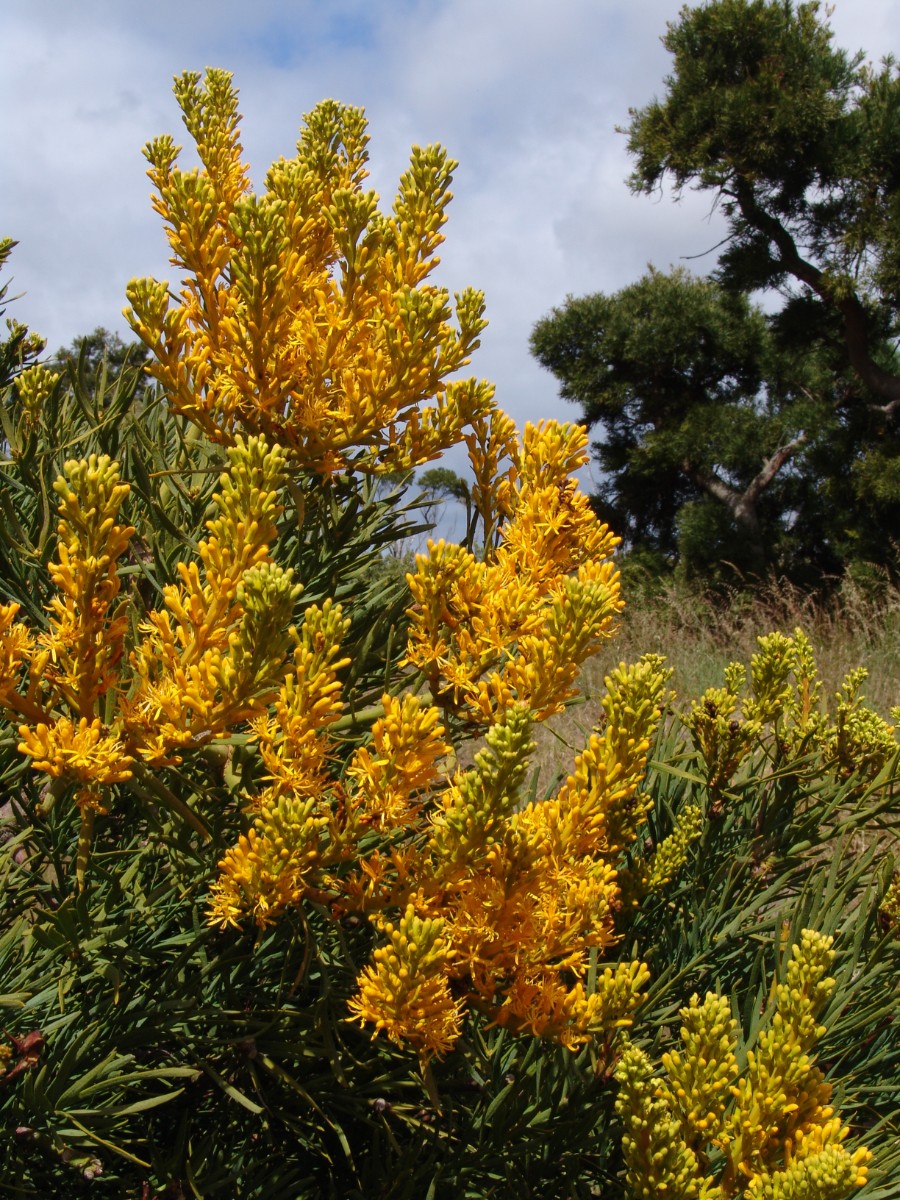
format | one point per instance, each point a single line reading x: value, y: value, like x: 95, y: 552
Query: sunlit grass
x: 699, y: 636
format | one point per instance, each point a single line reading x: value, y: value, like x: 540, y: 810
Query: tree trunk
x: 856, y: 323
x: 743, y: 505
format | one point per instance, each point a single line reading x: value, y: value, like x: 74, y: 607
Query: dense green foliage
x: 727, y: 434
x: 704, y: 450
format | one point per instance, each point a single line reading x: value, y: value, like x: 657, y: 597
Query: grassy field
x: 698, y: 638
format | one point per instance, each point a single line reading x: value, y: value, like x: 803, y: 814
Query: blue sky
x: 526, y: 94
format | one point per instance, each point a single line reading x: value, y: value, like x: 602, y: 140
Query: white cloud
x: 525, y: 93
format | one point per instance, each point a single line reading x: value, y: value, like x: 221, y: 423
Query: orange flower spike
x: 515, y: 627
x: 82, y: 751
x: 273, y: 866
x: 544, y: 1007
x: 389, y: 779
x: 493, y: 450
x: 405, y: 993
x: 595, y: 812
x: 292, y: 740
x: 217, y: 653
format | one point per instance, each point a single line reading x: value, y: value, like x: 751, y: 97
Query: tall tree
x: 799, y: 144
x: 706, y: 421
x: 93, y: 355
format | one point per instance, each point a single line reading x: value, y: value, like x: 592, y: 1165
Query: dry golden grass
x: 698, y: 638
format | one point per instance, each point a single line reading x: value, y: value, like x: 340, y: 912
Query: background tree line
x: 738, y: 438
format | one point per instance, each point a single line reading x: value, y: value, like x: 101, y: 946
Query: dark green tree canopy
x: 800, y: 144
x: 705, y: 418
x: 767, y: 439
x: 92, y: 354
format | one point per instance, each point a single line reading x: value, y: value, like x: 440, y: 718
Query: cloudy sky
x: 526, y: 94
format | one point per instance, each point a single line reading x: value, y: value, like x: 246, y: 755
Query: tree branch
x: 856, y: 325
x: 770, y: 469
x: 743, y: 504
x: 714, y: 485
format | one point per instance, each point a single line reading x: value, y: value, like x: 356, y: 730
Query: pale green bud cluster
x: 770, y: 677
x: 672, y: 852
x: 267, y: 593
x: 653, y: 873
x: 783, y: 715
x: 34, y: 385
x: 831, y: 1174
x: 484, y: 799
x: 700, y: 1079
x: 658, y: 1158
x: 251, y: 485
x: 859, y: 740
x: 722, y: 737
x: 707, y: 1128
x: 890, y: 905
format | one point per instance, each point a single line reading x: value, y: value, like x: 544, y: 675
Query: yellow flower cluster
x: 82, y: 650
x: 514, y: 626
x: 514, y: 896
x: 211, y: 658
x: 76, y: 663
x: 81, y: 752
x: 214, y: 656
x: 707, y: 1130
x: 305, y: 313
x: 782, y: 712
x: 16, y: 644
x: 406, y: 992
x: 859, y: 741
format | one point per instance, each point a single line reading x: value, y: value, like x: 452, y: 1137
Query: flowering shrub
x: 258, y: 837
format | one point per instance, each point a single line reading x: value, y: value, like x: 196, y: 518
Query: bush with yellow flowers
x: 288, y: 911
x: 712, y: 1129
